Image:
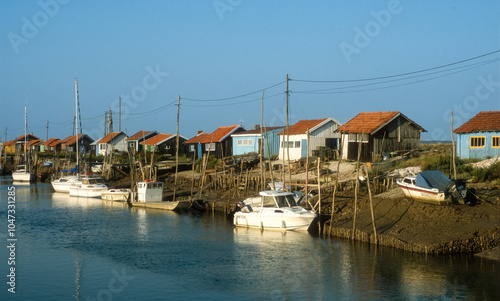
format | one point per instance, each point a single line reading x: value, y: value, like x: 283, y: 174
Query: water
x: 86, y: 249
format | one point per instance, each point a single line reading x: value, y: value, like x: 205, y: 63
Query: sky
x: 422, y: 58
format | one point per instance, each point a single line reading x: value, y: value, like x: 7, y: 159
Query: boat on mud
x: 432, y: 187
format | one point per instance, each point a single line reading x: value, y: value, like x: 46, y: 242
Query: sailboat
x: 85, y: 185
x: 23, y: 173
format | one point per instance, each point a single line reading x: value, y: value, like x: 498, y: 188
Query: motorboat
x: 432, y: 187
x: 87, y: 185
x: 22, y: 174
x: 273, y: 210
x: 63, y: 183
x: 150, y: 195
x: 117, y: 194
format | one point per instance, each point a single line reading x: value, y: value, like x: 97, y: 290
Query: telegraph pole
x: 287, y: 138
x: 47, y: 130
x: 119, y: 114
x: 177, y: 146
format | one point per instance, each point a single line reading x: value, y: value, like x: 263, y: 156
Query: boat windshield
x: 285, y: 201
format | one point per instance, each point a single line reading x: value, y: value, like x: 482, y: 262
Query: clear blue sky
x: 150, y: 52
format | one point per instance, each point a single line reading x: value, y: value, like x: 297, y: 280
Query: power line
x: 232, y: 103
x: 458, y: 70
x: 396, y: 75
x: 235, y: 97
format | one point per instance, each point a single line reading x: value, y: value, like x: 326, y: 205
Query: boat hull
x: 117, y: 195
x: 171, y: 206
x: 63, y: 184
x: 87, y: 192
x: 424, y: 195
x: 21, y: 176
x: 275, y: 219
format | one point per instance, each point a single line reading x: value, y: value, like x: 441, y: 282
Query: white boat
x: 117, y: 194
x: 88, y: 186
x: 23, y: 172
x: 432, y: 187
x: 276, y: 210
x: 63, y: 183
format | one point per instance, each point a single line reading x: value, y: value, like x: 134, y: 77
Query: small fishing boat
x: 150, y: 195
x: 432, y: 187
x: 87, y: 185
x: 273, y: 210
x: 63, y: 183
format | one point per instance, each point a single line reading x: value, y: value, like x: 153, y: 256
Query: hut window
x: 191, y: 148
x: 297, y: 144
x: 477, y: 142
x: 495, y: 141
x: 210, y: 147
x: 245, y: 142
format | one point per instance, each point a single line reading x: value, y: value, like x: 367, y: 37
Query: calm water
x: 87, y: 249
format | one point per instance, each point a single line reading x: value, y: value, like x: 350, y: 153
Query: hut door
x: 304, y: 148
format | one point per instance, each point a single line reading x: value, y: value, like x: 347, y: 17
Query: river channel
x: 69, y: 248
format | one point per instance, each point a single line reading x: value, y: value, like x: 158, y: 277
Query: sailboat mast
x: 76, y: 124
x: 25, y: 130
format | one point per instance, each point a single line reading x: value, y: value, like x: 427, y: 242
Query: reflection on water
x: 73, y: 248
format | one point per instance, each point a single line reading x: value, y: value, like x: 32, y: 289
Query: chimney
x: 256, y: 126
x: 199, y: 132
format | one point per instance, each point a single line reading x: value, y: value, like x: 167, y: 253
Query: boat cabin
x: 149, y: 191
x: 273, y: 199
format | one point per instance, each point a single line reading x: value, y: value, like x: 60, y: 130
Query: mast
x: 26, y: 161
x: 76, y: 123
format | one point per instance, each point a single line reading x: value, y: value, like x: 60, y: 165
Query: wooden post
x: 192, y: 174
x: 269, y: 155
x: 371, y: 204
x: 177, y: 147
x: 319, y: 192
x: 453, y: 150
x: 205, y: 167
x: 335, y: 187
x: 357, y: 185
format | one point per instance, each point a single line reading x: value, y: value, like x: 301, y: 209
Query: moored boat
x: 276, y: 210
x: 150, y: 195
x: 88, y: 186
x: 22, y: 174
x: 117, y: 194
x: 432, y: 187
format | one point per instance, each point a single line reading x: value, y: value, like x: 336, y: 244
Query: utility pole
x: 47, y: 131
x: 110, y: 117
x: 261, y: 145
x: 105, y: 123
x: 119, y: 114
x: 177, y: 146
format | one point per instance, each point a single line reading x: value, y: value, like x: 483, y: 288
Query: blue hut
x: 249, y: 141
x: 480, y: 136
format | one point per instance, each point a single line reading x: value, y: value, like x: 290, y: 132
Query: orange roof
x: 370, y: 122
x: 28, y: 137
x: 221, y: 133
x: 139, y: 135
x: 302, y: 126
x: 52, y: 142
x: 483, y: 122
x: 108, y: 137
x: 197, y: 138
x: 11, y: 142
x: 71, y: 139
x: 158, y: 139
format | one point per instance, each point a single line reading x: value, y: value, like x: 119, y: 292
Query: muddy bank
x: 418, y: 227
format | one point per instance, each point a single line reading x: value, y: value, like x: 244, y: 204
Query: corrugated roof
x: 257, y: 131
x: 139, y: 135
x: 52, y: 142
x: 370, y: 122
x: 108, y: 137
x: 483, y: 122
x: 158, y: 139
x: 302, y: 126
x: 28, y: 137
x: 221, y: 133
x: 197, y: 138
x: 367, y: 122
x: 11, y: 142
